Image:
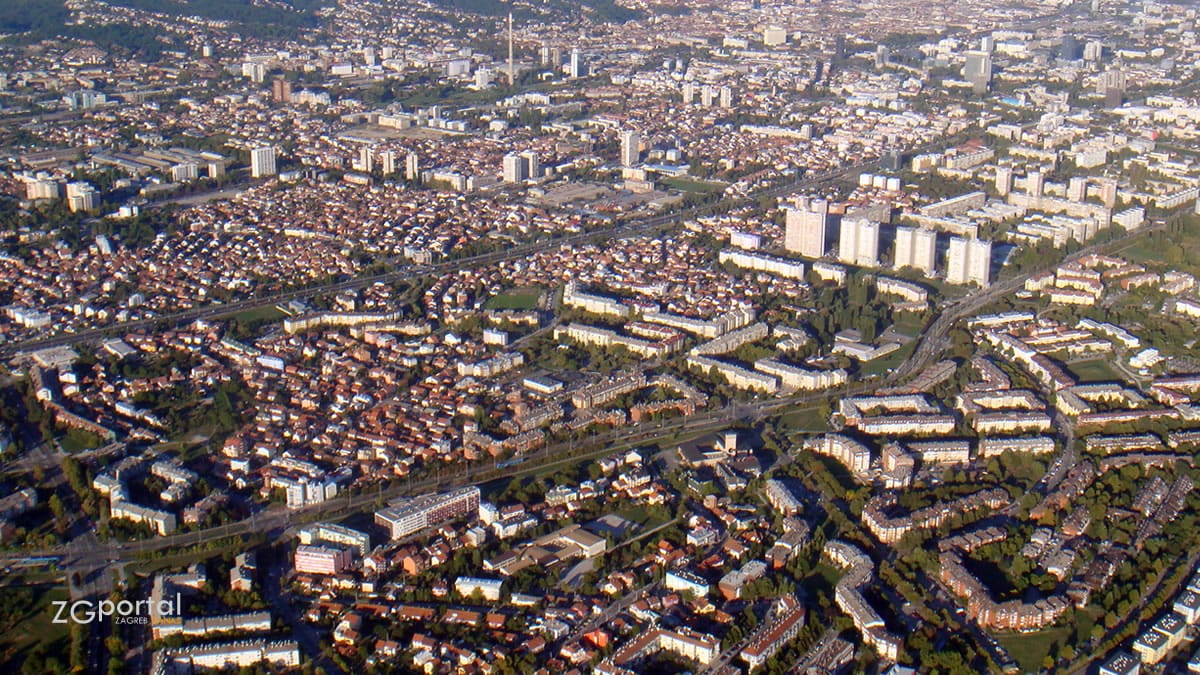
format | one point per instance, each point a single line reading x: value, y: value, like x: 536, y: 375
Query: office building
x: 413, y: 515
x: 858, y: 242
x: 262, y: 162
x: 311, y: 559
x: 806, y: 228
x: 577, y: 66
x: 916, y: 248
x: 969, y: 261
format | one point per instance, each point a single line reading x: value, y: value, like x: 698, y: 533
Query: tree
x: 61, y: 521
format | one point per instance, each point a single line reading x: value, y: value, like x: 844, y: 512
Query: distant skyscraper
x: 881, y: 56
x: 388, y: 162
x: 368, y: 54
x: 1111, y: 85
x: 689, y: 92
x: 257, y: 72
x: 806, y: 228
x: 366, y: 159
x: 1070, y: 48
x: 726, y: 97
x: 969, y: 261
x: 281, y: 90
x: 707, y: 95
x: 858, y: 243
x: 578, y: 67
x: 916, y: 248
x: 978, y: 70
x: 533, y: 164
x: 412, y: 167
x: 631, y: 150
x: 515, y: 168
x: 262, y: 162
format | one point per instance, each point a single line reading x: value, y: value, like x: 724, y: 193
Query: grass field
x: 692, y: 185
x: 1095, y: 370
x: 71, y: 444
x: 36, y: 627
x: 641, y: 516
x: 1031, y: 648
x: 259, y: 315
x: 518, y: 298
x: 803, y: 420
x: 883, y: 365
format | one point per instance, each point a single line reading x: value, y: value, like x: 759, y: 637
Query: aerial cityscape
x: 610, y: 336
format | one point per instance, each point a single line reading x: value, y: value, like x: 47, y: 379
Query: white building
x: 969, y: 261
x: 631, y: 150
x: 916, y: 248
x: 262, y: 162
x: 806, y: 227
x: 516, y: 168
x: 858, y: 243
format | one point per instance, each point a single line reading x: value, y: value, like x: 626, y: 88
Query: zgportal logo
x: 123, y: 611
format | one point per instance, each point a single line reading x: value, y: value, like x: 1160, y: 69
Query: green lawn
x: 692, y: 185
x: 803, y: 420
x: 1029, y: 649
x: 71, y: 444
x: 1095, y: 370
x: 641, y: 516
x: 882, y: 365
x: 524, y: 298
x: 259, y: 315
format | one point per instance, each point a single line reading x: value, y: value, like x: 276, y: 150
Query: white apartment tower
x: 631, y: 150
x: 533, y: 165
x: 806, y: 227
x: 916, y: 248
x: 969, y: 261
x: 515, y: 168
x: 858, y: 243
x: 1004, y: 180
x: 412, y: 167
x: 262, y: 162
